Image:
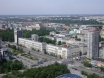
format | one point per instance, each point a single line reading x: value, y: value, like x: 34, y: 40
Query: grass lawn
x: 14, y: 52
x: 29, y: 56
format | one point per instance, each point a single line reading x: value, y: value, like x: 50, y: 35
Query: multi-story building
x: 32, y: 44
x: 93, y: 42
x: 64, y: 52
x: 17, y: 34
x: 51, y: 49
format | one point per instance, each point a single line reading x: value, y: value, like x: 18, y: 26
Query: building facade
x: 32, y: 44
x: 63, y: 52
x: 93, y: 43
x: 51, y: 49
x: 4, y: 53
x: 17, y: 34
x: 101, y: 53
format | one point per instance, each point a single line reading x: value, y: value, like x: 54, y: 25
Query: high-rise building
x: 93, y: 42
x: 34, y: 37
x: 17, y: 34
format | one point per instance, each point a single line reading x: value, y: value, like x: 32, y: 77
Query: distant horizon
x: 51, y: 7
x: 45, y: 14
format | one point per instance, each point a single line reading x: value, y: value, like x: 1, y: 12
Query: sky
x: 44, y: 7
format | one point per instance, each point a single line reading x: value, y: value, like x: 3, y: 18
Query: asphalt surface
x: 89, y: 71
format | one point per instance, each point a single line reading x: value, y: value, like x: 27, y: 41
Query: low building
x: 74, y: 51
x: 52, y: 33
x: 34, y: 26
x: 32, y: 44
x: 58, y: 39
x: 54, y: 27
x: 101, y: 44
x: 50, y: 37
x: 37, y: 27
x: 70, y: 41
x: 4, y: 53
x: 60, y: 35
x: 101, y: 53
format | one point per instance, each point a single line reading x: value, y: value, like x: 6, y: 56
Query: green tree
x: 87, y: 64
x: 47, y: 40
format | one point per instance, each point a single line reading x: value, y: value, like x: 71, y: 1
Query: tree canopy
x: 47, y: 40
x: 7, y: 66
x: 8, y: 35
x: 50, y: 71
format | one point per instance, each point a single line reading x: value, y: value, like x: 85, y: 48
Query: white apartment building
x: 63, y: 52
x: 51, y: 49
x: 57, y: 51
x: 32, y: 44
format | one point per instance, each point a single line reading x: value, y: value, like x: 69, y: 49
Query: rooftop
x: 69, y: 76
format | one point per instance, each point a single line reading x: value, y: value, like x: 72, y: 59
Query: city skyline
x: 48, y: 7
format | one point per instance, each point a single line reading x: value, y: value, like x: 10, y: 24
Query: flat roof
x: 69, y: 76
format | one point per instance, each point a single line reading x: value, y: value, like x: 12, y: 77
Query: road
x: 77, y: 72
x: 79, y: 66
x: 89, y: 71
x: 27, y: 62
